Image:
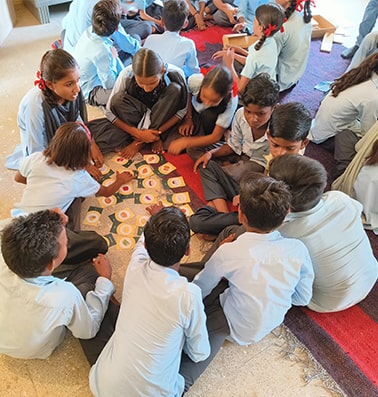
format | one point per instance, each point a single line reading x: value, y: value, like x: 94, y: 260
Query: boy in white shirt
x: 173, y: 48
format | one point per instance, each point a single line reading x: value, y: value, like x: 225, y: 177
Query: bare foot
x: 157, y: 147
x: 154, y: 208
x: 131, y: 150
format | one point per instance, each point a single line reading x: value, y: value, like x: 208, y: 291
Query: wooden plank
x: 327, y: 42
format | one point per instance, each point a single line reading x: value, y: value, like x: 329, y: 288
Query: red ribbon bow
x: 205, y: 71
x: 299, y: 6
x: 269, y: 30
x: 282, y: 29
x: 40, y: 82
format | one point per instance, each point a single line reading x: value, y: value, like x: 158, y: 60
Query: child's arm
x: 146, y: 136
x: 227, y: 8
x: 180, y: 144
x: 197, y: 16
x: 147, y: 17
x: 121, y: 179
x: 19, y: 178
x: 303, y: 290
x: 220, y: 151
x: 186, y: 127
x: 228, y: 60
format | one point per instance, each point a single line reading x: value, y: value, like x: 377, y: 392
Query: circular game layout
x: 123, y: 215
x: 107, y: 201
x: 126, y: 243
x: 125, y: 189
x: 125, y: 229
x: 92, y: 217
x: 144, y: 171
x: 150, y: 183
x: 152, y: 158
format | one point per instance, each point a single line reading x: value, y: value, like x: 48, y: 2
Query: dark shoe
x: 349, y: 52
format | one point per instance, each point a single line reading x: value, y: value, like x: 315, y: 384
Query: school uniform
x: 355, y: 109
x: 35, y: 313
x: 293, y: 47
x: 62, y: 185
x: 176, y: 50
x: 263, y: 60
x: 79, y: 18
x: 247, y: 10
x: 38, y: 122
x: 267, y: 274
x: 344, y: 264
x: 134, y: 106
x: 98, y: 68
x: 223, y: 181
x: 161, y: 315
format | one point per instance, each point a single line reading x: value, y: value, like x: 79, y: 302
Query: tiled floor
x: 265, y: 369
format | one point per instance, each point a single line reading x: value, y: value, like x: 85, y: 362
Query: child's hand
x: 236, y: 200
x: 124, y: 177
x: 94, y: 172
x: 97, y: 156
x: 186, y: 127
x: 238, y: 27
x: 177, y: 146
x: 62, y: 215
x: 228, y: 58
x: 199, y: 21
x: 154, y: 208
x: 149, y: 135
x: 228, y: 239
x: 102, y: 266
x: 204, y: 160
x: 218, y: 54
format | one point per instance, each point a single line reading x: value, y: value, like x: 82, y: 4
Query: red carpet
x: 344, y: 343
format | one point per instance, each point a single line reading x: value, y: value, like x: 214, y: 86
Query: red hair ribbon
x: 86, y: 129
x: 299, y: 6
x: 282, y: 29
x: 205, y: 71
x: 235, y: 90
x: 269, y: 30
x: 40, y: 82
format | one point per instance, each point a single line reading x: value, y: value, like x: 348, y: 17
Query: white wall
x: 7, y: 18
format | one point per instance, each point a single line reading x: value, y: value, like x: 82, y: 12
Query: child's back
x: 173, y: 48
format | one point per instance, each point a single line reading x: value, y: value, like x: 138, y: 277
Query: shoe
x: 349, y: 52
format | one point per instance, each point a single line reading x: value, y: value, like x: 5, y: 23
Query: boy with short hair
x: 173, y: 48
x: 246, y: 148
x: 330, y: 225
x: 35, y: 306
x: 161, y: 316
x: 266, y: 272
x: 288, y: 129
x: 96, y: 55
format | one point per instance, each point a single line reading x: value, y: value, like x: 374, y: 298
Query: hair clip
x: 86, y: 129
x: 299, y: 6
x: 40, y: 82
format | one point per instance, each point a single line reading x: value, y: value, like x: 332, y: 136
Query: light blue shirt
x: 293, y: 47
x: 97, y: 65
x: 79, y: 18
x: 247, y: 10
x: 175, y: 49
x: 344, y: 264
x: 31, y: 121
x: 267, y: 273
x: 42, y: 310
x: 161, y: 315
x: 263, y: 60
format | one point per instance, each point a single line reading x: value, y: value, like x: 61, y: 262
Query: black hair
x: 106, y: 17
x: 220, y: 80
x: 175, y: 13
x: 269, y: 15
x: 167, y: 236
x: 30, y: 243
x: 264, y: 201
x: 261, y: 90
x: 147, y: 63
x: 290, y: 121
x: 307, y: 15
x: 306, y: 178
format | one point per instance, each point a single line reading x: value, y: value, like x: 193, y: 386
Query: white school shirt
x: 224, y: 119
x: 263, y: 60
x: 241, y: 140
x: 175, y: 49
x: 344, y: 264
x: 267, y: 273
x: 50, y: 186
x: 355, y: 108
x: 293, y: 47
x: 366, y: 192
x: 161, y: 315
x: 35, y: 312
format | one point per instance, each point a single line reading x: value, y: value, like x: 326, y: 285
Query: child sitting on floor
x: 37, y: 308
x: 161, y: 315
x: 288, y: 129
x: 96, y: 55
x: 247, y: 146
x: 266, y: 272
x: 173, y: 48
x: 261, y: 56
x: 148, y: 99
x: 211, y: 108
x: 57, y: 176
x: 330, y: 225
